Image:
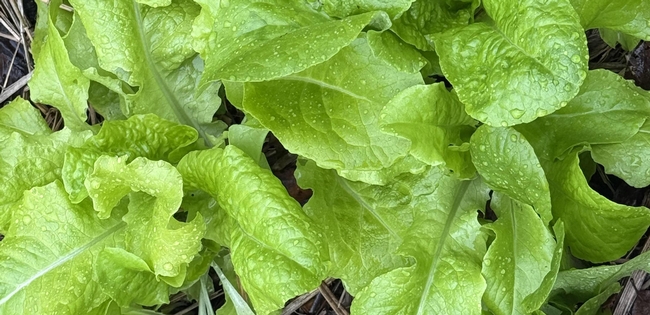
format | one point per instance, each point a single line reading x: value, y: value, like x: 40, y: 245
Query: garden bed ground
x: 331, y: 298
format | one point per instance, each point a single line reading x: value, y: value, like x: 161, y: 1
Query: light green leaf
x: 56, y: 81
x: 343, y: 8
x: 143, y: 135
x: 392, y: 50
x: 628, y: 159
x: 218, y: 223
x: 503, y: 74
x: 165, y: 244
x: 446, y: 246
x: 518, y: 259
x: 537, y: 299
x: 21, y: 117
x: 435, y: 123
x: 274, y: 243
x: 29, y: 161
x: 155, y: 3
x: 631, y: 17
x: 384, y: 176
x: 583, y: 284
x: 48, y: 254
x: 154, y: 56
x: 329, y: 113
x: 127, y: 279
x: 605, y: 99
x: 509, y: 165
x: 354, y: 216
x: 612, y: 38
x: 425, y: 18
x: 238, y: 303
x: 597, y: 229
x: 249, y: 139
x: 257, y: 40
x: 593, y: 305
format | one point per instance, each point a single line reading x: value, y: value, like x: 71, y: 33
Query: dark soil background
x: 331, y: 298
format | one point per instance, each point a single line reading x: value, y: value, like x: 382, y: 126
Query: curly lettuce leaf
x: 526, y: 63
x: 56, y: 81
x: 626, y: 16
x: 508, y: 164
x: 139, y: 136
x: 435, y: 123
x: 165, y: 244
x: 155, y: 56
x: 519, y: 258
x: 274, y: 244
x: 362, y: 234
x: 445, y: 244
x: 597, y: 229
x: 426, y: 18
x: 605, y: 99
x: 329, y: 112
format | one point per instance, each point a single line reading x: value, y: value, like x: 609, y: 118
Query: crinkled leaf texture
x: 626, y: 16
x: 528, y: 62
x: 274, y: 244
x: 343, y: 8
x: 424, y: 19
x: 140, y: 136
x: 444, y: 243
x: 329, y: 113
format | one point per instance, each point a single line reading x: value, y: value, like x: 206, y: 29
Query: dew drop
x: 481, y: 147
x: 513, y: 138
x: 541, y: 112
x: 168, y: 266
x: 516, y: 113
x: 505, y: 123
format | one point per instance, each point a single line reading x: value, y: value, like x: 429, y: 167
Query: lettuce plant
x: 404, y: 169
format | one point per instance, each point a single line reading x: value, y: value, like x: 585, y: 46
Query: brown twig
x: 629, y: 294
x: 331, y: 299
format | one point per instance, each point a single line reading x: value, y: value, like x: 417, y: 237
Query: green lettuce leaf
x: 390, y: 48
x: 122, y: 275
x: 526, y: 63
x: 593, y: 305
x: 597, y: 229
x: 343, y: 8
x: 156, y: 56
x: 329, y: 113
x: 518, y: 259
x: 20, y: 116
x: 256, y: 40
x: 31, y: 160
x: 435, y: 123
x: 48, y: 254
x: 508, y: 164
x: 612, y: 38
x: 626, y: 16
x: 425, y: 18
x: 139, y: 136
x: 628, y: 159
x: 56, y: 81
x: 273, y: 244
x: 163, y: 243
x: 357, y: 220
x: 445, y: 244
x: 605, y: 99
